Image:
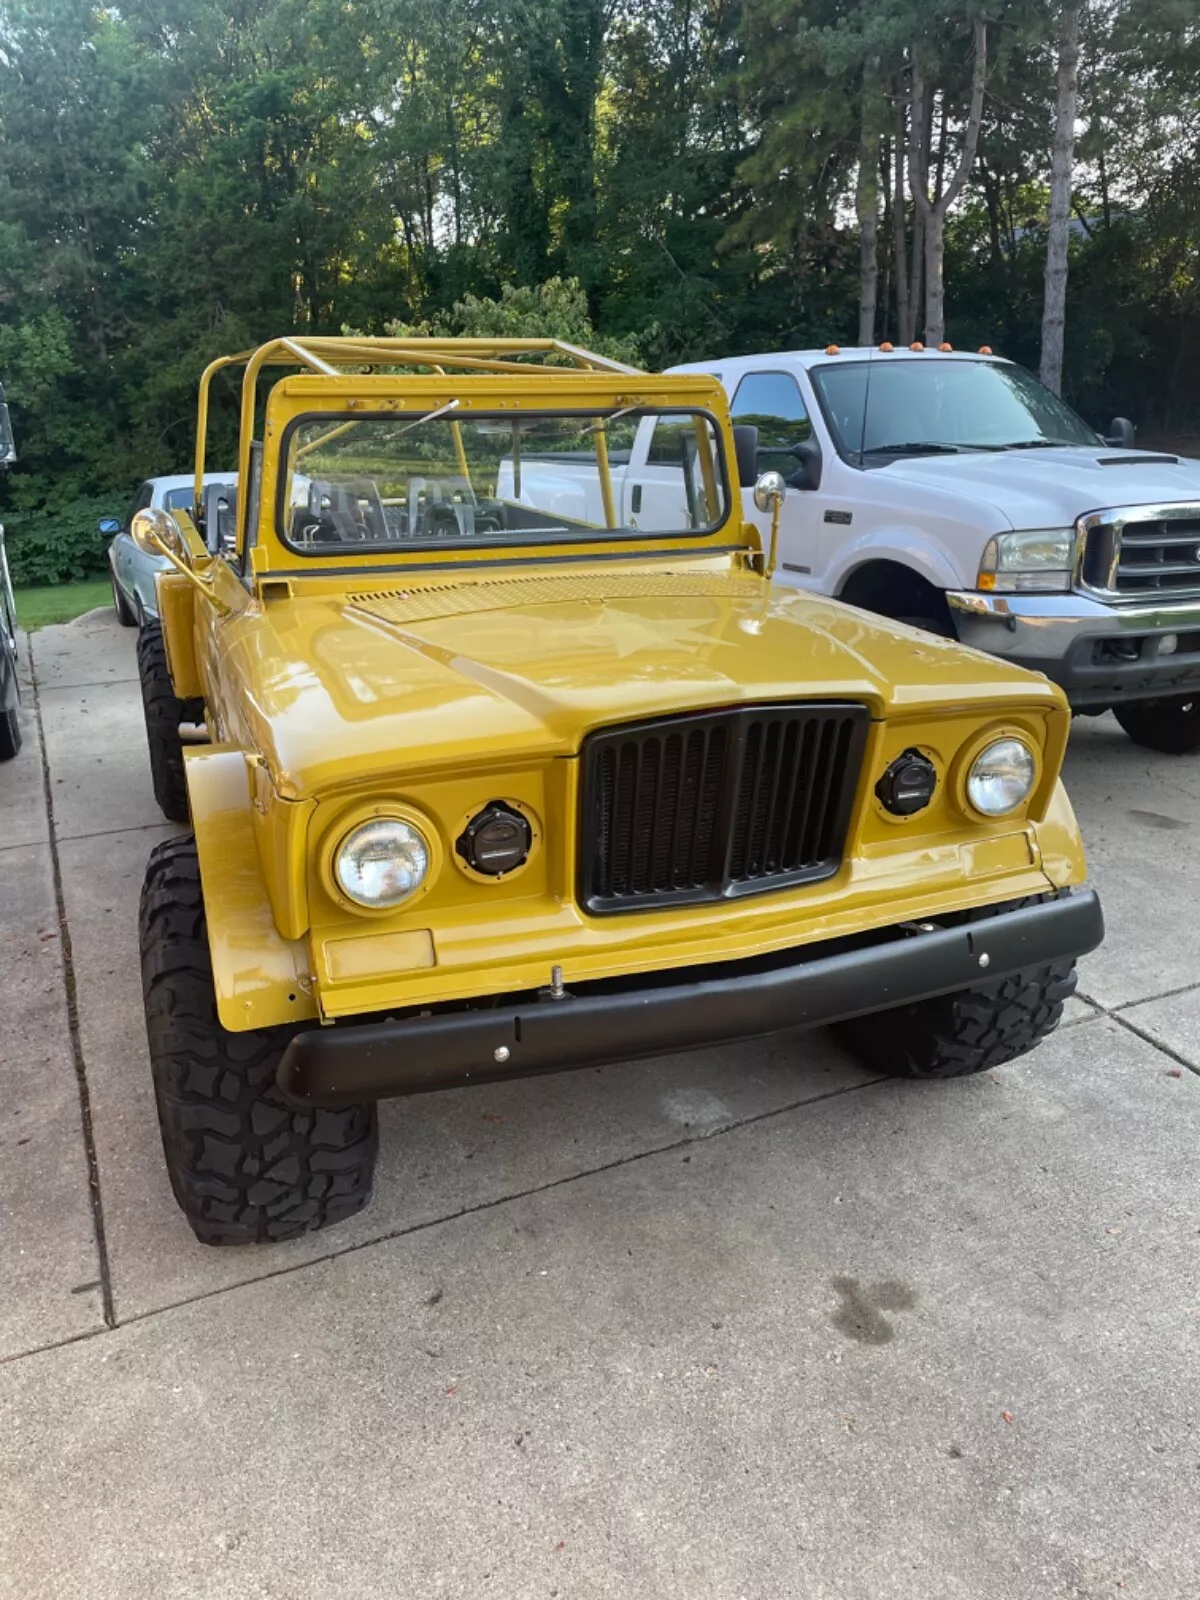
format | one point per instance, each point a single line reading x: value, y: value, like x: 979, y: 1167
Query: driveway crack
x: 69, y: 986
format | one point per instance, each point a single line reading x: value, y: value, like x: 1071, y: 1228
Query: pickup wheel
x: 1172, y: 726
x: 164, y: 712
x: 246, y: 1166
x: 968, y: 1031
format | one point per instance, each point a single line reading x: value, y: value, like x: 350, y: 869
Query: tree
x: 925, y: 105
x: 1062, y: 163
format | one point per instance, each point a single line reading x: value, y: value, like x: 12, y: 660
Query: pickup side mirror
x: 745, y: 445
x: 808, y: 474
x: 109, y: 525
x: 1121, y: 433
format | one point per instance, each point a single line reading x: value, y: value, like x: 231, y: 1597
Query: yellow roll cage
x: 331, y: 356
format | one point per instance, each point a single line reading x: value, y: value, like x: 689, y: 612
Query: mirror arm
x: 773, y: 548
x: 201, y: 580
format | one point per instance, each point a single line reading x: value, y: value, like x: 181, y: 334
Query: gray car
x: 131, y: 570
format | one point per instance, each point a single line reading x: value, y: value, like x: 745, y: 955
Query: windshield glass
x: 395, y: 483
x: 915, y: 404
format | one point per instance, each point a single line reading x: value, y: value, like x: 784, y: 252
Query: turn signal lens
x: 382, y: 862
x: 1001, y: 777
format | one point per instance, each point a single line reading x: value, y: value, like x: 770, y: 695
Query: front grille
x: 701, y: 807
x: 1154, y: 556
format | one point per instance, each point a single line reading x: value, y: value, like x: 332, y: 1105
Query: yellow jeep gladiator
x: 492, y: 770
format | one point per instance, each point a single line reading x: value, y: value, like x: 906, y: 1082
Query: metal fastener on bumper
x: 606, y: 1022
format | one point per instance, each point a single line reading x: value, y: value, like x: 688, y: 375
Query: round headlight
x: 382, y: 862
x: 1001, y: 777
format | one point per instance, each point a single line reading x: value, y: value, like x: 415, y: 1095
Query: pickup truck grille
x: 1144, y: 557
x: 707, y: 806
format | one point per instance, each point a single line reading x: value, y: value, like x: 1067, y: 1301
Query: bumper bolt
x: 501, y: 1053
x: 985, y: 960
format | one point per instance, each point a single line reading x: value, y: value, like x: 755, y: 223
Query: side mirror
x: 109, y: 525
x: 808, y: 473
x: 745, y: 445
x: 156, y: 533
x: 1121, y: 433
x: 769, y: 491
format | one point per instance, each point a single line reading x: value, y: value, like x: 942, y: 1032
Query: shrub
x: 58, y: 544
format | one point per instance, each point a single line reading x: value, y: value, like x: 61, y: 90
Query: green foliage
x: 556, y: 309
x: 57, y: 543
x: 664, y: 181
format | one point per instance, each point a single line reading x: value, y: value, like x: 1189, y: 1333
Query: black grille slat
x: 717, y: 804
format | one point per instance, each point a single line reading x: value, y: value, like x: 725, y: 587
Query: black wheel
x: 1172, y: 726
x: 246, y: 1166
x: 126, y: 615
x: 10, y: 733
x: 968, y: 1031
x: 164, y: 714
x: 10, y: 722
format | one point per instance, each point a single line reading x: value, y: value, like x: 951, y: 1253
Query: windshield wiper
x: 922, y: 447
x: 1040, y: 444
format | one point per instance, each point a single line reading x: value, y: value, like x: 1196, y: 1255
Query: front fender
x: 260, y: 977
x: 903, y: 547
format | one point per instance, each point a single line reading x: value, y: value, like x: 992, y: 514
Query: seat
x: 220, y: 516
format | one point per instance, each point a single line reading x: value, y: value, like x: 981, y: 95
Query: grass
x: 60, y: 602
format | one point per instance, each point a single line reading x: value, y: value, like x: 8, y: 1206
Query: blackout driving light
x: 1001, y: 777
x: 908, y: 784
x: 496, y: 841
x: 382, y: 863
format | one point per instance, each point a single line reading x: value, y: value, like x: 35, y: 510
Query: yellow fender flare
x: 261, y: 978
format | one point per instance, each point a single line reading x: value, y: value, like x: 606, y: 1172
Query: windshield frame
x: 509, y: 540
x: 855, y: 457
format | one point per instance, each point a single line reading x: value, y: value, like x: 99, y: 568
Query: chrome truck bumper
x: 1101, y: 655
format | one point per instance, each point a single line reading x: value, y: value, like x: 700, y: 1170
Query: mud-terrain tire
x: 1172, y: 726
x: 164, y: 713
x: 954, y: 1035
x: 126, y: 615
x: 247, y: 1167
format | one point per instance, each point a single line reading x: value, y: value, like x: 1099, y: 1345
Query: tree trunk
x: 1062, y: 161
x: 916, y: 276
x: 899, y: 240
x: 932, y: 211
x: 867, y: 204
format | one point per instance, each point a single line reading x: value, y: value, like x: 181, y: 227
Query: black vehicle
x: 10, y: 695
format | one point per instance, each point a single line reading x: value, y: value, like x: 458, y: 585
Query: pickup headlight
x: 381, y: 863
x: 1036, y: 560
x: 1001, y: 776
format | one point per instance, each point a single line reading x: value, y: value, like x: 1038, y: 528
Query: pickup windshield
x: 399, y: 483
x: 888, y: 407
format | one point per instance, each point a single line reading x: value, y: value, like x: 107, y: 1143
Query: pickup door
x: 770, y: 400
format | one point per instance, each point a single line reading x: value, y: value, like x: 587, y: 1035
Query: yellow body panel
x: 261, y: 978
x: 434, y: 686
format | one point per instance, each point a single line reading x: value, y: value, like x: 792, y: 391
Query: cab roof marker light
x: 945, y: 345
x: 985, y: 350
x: 833, y: 349
x: 916, y: 345
x: 887, y: 346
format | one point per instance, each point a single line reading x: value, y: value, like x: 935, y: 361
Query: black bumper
x: 624, y: 1021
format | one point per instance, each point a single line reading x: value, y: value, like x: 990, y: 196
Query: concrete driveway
x: 738, y: 1324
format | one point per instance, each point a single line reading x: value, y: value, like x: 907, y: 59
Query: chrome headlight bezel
x: 1013, y: 761
x: 416, y: 845
x: 1028, y: 561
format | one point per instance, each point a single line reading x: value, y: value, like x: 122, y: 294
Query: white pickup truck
x: 954, y: 491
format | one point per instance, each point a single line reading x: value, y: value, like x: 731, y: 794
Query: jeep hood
x: 338, y: 690
x: 1045, y: 488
